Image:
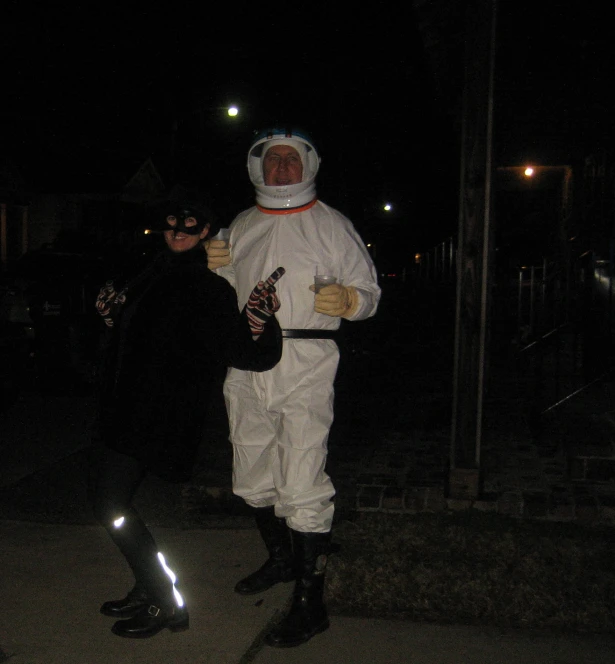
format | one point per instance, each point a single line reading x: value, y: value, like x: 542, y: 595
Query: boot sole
x: 180, y: 626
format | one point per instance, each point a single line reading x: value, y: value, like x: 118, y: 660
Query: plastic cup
x: 321, y: 280
x: 224, y: 234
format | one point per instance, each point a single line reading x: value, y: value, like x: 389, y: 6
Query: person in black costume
x: 171, y: 333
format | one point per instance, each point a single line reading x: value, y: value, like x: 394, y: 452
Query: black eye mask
x: 181, y: 214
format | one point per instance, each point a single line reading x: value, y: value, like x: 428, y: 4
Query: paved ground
x: 55, y: 577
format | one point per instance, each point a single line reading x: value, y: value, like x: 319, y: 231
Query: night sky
x: 88, y: 86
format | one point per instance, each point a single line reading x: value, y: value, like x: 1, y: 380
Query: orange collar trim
x: 302, y: 208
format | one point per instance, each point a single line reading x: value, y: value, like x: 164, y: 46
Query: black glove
x: 263, y: 302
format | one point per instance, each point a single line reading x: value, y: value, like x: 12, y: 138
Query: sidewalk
x: 55, y: 577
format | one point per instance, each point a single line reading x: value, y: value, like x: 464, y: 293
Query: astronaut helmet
x: 286, y: 196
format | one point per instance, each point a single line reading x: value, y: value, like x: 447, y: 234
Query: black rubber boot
x: 155, y: 603
x: 164, y: 608
x: 278, y: 568
x: 152, y: 619
x: 128, y: 607
x: 307, y: 615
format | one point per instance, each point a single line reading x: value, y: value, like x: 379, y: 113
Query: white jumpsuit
x: 280, y: 419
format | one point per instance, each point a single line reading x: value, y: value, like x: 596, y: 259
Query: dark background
x: 87, y: 86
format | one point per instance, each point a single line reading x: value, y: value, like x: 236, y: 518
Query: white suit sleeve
x: 359, y: 272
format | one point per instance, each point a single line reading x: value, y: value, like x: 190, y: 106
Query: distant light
x: 369, y: 244
x: 528, y: 172
x: 233, y: 111
x: 387, y: 207
x: 146, y: 231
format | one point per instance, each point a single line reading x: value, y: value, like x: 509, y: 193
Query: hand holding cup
x: 218, y: 251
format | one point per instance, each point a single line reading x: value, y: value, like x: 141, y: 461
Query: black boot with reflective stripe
x: 128, y: 607
x: 151, y: 620
x: 307, y: 615
x: 278, y: 568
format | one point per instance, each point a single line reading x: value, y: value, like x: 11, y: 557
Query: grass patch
x: 474, y: 568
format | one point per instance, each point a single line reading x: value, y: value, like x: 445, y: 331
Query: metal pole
x: 3, y: 254
x: 520, y: 305
x: 487, y: 242
x: 532, y: 295
x: 24, y: 229
x: 543, y: 297
x: 474, y: 244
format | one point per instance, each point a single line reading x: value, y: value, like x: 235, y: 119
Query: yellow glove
x: 336, y: 300
x: 218, y: 254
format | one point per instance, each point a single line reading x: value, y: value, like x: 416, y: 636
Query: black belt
x: 309, y: 334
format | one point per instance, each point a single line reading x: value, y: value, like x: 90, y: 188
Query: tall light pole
x: 473, y: 256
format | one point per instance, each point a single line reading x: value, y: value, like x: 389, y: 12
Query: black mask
x: 182, y: 215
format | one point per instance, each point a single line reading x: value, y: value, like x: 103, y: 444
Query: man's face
x: 282, y: 166
x: 178, y: 241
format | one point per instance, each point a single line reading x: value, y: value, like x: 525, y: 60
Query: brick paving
x: 389, y: 446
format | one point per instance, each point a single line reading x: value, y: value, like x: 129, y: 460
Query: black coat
x: 170, y: 346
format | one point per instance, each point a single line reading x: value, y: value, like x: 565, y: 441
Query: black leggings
x: 117, y: 479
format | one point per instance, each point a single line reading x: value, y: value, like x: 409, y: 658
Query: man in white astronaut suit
x: 280, y: 419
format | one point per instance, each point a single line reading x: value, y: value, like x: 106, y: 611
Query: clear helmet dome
x: 285, y: 196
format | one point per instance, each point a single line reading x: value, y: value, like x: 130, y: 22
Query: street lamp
x: 230, y: 110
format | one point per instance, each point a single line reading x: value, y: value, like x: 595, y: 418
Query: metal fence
x: 559, y: 315
x: 438, y: 264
